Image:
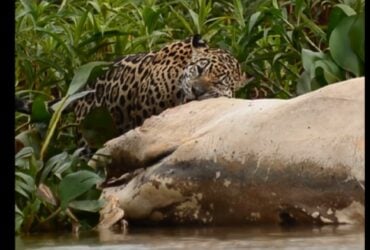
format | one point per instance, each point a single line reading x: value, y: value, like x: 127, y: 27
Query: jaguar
x: 137, y: 86
x: 141, y: 85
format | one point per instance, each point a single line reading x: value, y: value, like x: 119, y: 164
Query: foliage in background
x: 344, y: 56
x: 286, y: 47
x: 49, y: 192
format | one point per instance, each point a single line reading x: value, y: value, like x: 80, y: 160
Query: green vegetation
x: 289, y: 47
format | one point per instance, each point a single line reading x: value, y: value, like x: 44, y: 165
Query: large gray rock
x: 232, y: 161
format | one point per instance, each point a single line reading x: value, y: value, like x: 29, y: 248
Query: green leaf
x: 40, y: 111
x: 357, y: 36
x: 96, y: 5
x: 59, y: 40
x: 275, y: 4
x: 340, y: 47
x: 313, y: 27
x: 80, y: 25
x: 18, y: 211
x: 53, y: 163
x: 71, y: 99
x: 319, y: 70
x: 18, y: 219
x: 82, y: 75
x: 20, y: 190
x: 87, y: 205
x: 75, y: 184
x: 308, y: 60
x: 346, y: 9
x: 22, y: 158
x: 58, y: 171
x: 304, y: 83
x: 185, y: 23
x: 26, y: 66
x: 24, y: 184
x: 98, y: 127
x: 47, y: 63
x: 150, y: 18
x: 24, y: 153
x: 300, y: 6
x: 35, y: 206
x: 30, y: 138
x: 97, y: 36
x: 28, y: 180
x: 239, y: 10
x: 51, y: 128
x: 18, y: 222
x: 253, y: 20
x: 330, y: 70
x: 337, y: 14
x: 26, y: 158
x: 195, y: 18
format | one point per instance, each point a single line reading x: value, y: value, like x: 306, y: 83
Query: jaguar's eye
x: 223, y: 80
x: 203, y: 63
x: 192, y: 70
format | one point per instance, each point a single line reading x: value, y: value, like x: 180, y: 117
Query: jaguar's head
x: 212, y: 73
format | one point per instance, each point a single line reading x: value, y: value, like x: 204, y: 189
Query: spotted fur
x: 141, y: 85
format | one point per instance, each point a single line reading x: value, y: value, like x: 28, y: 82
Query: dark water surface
x: 327, y: 237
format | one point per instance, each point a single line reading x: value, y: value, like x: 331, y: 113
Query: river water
x: 327, y: 237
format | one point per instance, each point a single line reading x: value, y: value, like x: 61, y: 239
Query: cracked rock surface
x: 232, y: 161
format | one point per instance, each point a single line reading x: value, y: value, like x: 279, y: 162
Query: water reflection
x: 327, y: 237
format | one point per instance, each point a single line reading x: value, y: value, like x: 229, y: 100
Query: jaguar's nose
x: 198, y: 90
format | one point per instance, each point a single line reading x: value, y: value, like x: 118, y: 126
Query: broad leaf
x: 87, y: 205
x: 357, y: 36
x: 53, y: 163
x: 22, y: 158
x: 331, y: 72
x: 24, y: 184
x: 18, y: 211
x: 304, y: 83
x: 27, y: 180
x: 98, y: 127
x: 18, y: 222
x: 75, y: 184
x: 341, y: 49
x: 24, y: 153
x: 71, y: 99
x: 51, y: 129
x: 20, y: 190
x: 337, y: 14
x: 30, y: 138
x: 40, y: 111
x: 82, y: 75
x: 308, y: 60
x: 253, y: 20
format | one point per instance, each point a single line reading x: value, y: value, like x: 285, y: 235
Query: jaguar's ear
x: 244, y: 81
x: 197, y: 41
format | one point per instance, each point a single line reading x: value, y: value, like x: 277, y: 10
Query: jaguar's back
x: 141, y: 85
